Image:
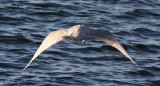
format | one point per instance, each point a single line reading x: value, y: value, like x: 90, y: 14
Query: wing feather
x: 51, y: 39
x: 108, y: 38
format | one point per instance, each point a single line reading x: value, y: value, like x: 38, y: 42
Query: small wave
x: 44, y: 4
x: 57, y: 53
x: 94, y: 59
x: 142, y: 30
x: 12, y: 20
x: 142, y: 13
x: 57, y: 13
x: 145, y: 32
x: 153, y: 68
x: 4, y: 73
x: 84, y: 50
x: 108, y: 47
x: 123, y: 33
x: 104, y: 58
x: 18, y: 51
x: 155, y: 82
x: 18, y: 39
x: 140, y: 72
x: 8, y: 65
x: 143, y: 47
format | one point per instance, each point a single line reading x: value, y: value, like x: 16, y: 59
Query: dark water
x: 25, y: 23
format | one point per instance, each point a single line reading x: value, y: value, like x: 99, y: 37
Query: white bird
x: 79, y: 33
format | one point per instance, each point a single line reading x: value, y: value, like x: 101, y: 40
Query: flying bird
x: 79, y: 34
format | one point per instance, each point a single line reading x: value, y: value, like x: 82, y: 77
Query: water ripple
x: 25, y: 23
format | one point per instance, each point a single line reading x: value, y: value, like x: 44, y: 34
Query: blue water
x: 25, y: 23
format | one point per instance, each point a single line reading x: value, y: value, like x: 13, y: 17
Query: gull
x: 79, y: 34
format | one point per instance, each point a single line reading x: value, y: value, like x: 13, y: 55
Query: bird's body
x: 79, y: 34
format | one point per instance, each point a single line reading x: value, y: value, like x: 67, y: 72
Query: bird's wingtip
x: 25, y: 67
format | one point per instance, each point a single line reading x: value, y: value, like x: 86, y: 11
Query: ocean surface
x: 25, y: 23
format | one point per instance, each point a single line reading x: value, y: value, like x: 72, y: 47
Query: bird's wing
x: 51, y: 39
x: 108, y: 38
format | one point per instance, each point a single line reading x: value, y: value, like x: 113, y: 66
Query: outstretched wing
x: 108, y: 38
x: 51, y: 39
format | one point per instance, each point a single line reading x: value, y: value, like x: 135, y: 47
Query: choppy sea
x: 25, y: 23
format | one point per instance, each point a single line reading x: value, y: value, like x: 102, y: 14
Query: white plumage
x: 79, y: 33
